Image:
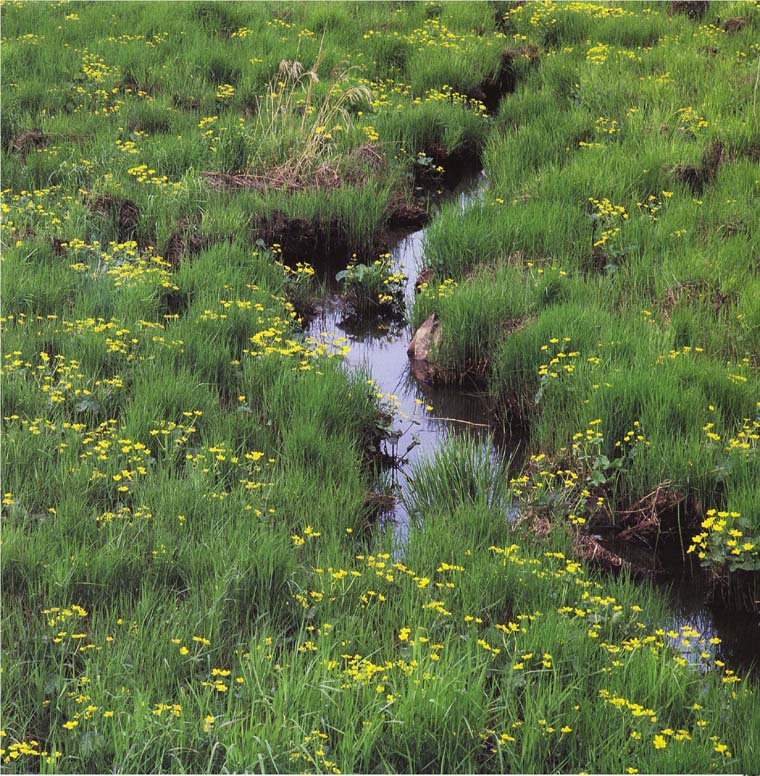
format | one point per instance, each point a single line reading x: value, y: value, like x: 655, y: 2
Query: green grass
x: 659, y: 305
x: 193, y: 578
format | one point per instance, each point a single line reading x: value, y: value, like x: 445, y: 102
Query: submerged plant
x: 373, y: 288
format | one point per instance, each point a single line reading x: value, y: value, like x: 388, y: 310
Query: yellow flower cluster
x: 605, y: 212
x: 549, y: 12
x: 722, y: 538
x: 26, y: 749
x: 561, y: 361
x: 690, y: 121
x: 144, y: 174
x: 597, y: 55
x: 225, y: 92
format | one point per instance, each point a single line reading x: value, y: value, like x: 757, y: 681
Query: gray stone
x: 425, y: 340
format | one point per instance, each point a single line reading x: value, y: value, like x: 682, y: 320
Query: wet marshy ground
x: 427, y: 414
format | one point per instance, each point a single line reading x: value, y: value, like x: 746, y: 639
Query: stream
x: 427, y: 415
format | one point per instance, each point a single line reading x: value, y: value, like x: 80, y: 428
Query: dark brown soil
x: 28, y: 141
x: 456, y: 164
x: 693, y: 177
x: 184, y: 243
x: 129, y: 215
x: 126, y: 212
x: 326, y: 245
x: 696, y: 178
x: 504, y: 80
x: 501, y: 15
x: 694, y: 9
x: 174, y: 302
x: 301, y: 240
x: 734, y: 25
x: 406, y: 214
x: 599, y: 259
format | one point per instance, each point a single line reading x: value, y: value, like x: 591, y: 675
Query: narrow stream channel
x: 426, y: 415
x: 380, y: 349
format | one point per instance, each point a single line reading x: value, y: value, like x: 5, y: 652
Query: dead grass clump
x: 651, y: 515
x: 355, y: 168
x: 292, y: 112
x: 281, y: 178
x: 695, y: 292
x: 589, y: 549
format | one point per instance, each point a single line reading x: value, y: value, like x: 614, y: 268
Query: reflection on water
x: 739, y: 632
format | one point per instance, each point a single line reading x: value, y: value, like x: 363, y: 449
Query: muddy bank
x: 652, y: 536
x: 694, y: 9
x: 504, y: 80
x: 326, y: 245
x: 447, y: 168
x: 185, y: 242
x: 696, y: 177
